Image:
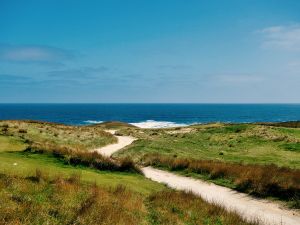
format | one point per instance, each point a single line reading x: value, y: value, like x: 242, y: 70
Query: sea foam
x: 93, y: 121
x: 158, y: 124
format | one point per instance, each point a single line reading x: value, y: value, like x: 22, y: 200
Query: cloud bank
x: 33, y: 53
x: 282, y: 37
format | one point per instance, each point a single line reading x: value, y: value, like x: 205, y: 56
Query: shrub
x: 128, y: 165
x: 77, y: 157
x: 22, y: 131
x: 5, y: 128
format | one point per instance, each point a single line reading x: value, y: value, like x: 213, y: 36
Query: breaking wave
x: 158, y: 124
x: 93, y: 121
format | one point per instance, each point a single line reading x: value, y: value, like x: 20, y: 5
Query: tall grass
x: 76, y: 157
x: 40, y: 199
x: 260, y: 180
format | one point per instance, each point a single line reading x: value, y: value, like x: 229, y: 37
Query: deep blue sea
x: 151, y: 115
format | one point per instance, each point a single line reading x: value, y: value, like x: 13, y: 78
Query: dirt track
x: 111, y: 149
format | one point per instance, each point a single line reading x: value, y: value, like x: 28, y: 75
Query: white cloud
x: 33, y: 53
x: 282, y: 37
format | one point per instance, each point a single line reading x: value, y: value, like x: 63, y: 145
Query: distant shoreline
x: 289, y: 124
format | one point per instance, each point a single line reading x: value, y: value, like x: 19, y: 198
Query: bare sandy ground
x: 108, y: 150
x: 250, y: 208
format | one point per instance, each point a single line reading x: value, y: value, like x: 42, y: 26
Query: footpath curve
x: 108, y: 150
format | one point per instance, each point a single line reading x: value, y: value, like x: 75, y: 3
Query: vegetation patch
x: 294, y: 147
x: 39, y: 199
x: 290, y: 124
x: 11, y: 144
x: 236, y: 143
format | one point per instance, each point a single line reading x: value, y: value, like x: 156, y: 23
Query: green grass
x: 8, y: 144
x: 25, y: 164
x: 294, y: 147
x: 245, y: 143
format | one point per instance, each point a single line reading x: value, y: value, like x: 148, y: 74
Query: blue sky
x: 150, y: 51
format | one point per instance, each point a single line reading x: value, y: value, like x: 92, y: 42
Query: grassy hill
x: 259, y: 159
x: 77, y: 137
x: 238, y: 143
x: 41, y: 185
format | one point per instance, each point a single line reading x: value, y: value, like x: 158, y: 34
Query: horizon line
x: 141, y: 103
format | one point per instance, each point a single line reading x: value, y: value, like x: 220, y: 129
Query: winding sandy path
x: 250, y: 208
x: 243, y: 204
x: 108, y: 150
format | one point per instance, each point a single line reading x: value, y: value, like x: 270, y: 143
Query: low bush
x: 290, y: 124
x: 77, y: 157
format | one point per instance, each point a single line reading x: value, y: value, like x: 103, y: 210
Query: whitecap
x: 158, y: 124
x: 93, y: 121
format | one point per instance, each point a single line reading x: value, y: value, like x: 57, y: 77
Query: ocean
x: 151, y: 115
